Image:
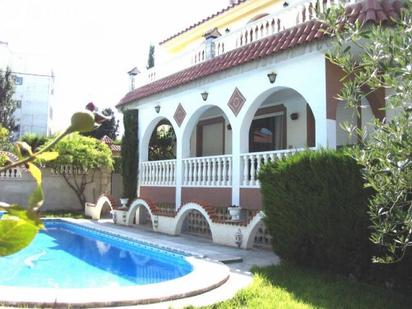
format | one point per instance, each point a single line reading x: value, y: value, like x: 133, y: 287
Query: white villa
x: 242, y: 87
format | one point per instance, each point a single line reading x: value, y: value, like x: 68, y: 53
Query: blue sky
x: 91, y: 44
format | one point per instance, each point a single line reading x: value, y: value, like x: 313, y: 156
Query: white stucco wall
x: 58, y: 195
x: 344, y: 115
x: 301, y: 69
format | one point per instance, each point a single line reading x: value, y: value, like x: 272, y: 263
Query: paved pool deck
x: 197, y: 246
x: 240, y: 276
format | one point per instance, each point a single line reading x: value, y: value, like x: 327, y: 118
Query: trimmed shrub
x: 316, y: 211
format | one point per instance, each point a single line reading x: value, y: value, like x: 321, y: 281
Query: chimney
x: 210, y: 36
x: 132, y: 74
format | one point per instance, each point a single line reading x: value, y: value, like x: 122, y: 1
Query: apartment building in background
x: 34, y: 90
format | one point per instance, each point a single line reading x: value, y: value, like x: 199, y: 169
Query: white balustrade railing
x: 68, y: 170
x: 215, y: 171
x: 13, y: 173
x: 252, y: 162
x: 282, y: 18
x: 158, y: 173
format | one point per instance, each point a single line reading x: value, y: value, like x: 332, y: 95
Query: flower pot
x: 123, y: 201
x: 234, y: 213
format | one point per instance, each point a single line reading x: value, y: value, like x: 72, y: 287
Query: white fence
x: 253, y: 161
x: 13, y: 173
x: 215, y: 171
x: 158, y: 173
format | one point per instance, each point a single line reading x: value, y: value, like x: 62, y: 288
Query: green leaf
x: 15, y: 235
x: 36, y: 198
x: 48, y: 156
x: 35, y: 172
x: 17, y: 229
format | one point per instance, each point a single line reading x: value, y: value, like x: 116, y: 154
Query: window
x: 18, y: 103
x: 18, y: 80
x: 210, y: 137
x: 268, y: 130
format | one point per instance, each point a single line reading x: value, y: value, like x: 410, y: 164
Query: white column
x: 237, y: 173
x: 331, y: 133
x: 179, y: 170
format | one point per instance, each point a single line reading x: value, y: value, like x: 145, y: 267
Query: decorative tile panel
x: 179, y: 115
x: 236, y: 101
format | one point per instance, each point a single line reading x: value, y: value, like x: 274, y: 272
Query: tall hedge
x: 130, y: 153
x: 316, y: 211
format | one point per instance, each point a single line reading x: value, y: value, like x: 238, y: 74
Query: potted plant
x: 234, y: 212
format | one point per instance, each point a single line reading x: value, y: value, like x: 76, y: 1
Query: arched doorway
x: 284, y: 120
x: 162, y: 144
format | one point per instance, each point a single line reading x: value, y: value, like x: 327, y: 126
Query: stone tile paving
x: 199, y: 246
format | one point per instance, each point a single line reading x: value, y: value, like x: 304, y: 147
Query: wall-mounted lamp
x: 229, y: 127
x: 285, y: 4
x: 272, y: 77
x: 204, y: 95
x: 294, y: 116
x: 157, y: 108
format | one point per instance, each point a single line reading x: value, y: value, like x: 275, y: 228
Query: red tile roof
x: 367, y: 11
x: 203, y: 20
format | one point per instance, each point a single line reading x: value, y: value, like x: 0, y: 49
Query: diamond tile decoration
x: 236, y: 101
x: 179, y: 115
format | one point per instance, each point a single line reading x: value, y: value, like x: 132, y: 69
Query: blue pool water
x: 67, y: 255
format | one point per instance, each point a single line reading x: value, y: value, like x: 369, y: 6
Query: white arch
x: 193, y: 118
x: 131, y: 213
x: 144, y: 143
x: 183, y: 212
x: 94, y: 211
x: 250, y: 110
x: 252, y: 229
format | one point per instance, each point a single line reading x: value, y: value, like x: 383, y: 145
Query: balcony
x: 281, y: 19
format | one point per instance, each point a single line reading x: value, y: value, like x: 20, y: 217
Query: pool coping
x: 206, y: 275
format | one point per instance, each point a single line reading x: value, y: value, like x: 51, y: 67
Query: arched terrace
x: 282, y: 123
x: 157, y: 170
x: 207, y: 157
x: 278, y: 123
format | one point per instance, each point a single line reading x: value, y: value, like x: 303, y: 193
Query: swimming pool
x: 100, y: 269
x: 66, y: 255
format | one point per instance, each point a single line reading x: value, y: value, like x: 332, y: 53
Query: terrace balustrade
x: 212, y: 171
x: 284, y: 18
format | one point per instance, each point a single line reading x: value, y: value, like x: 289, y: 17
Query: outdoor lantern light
x: 157, y: 108
x: 285, y: 4
x: 238, y: 238
x: 294, y: 116
x: 272, y: 77
x: 204, y: 95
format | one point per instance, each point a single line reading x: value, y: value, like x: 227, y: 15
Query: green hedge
x: 316, y: 211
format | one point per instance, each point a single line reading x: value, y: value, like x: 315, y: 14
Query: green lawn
x: 287, y: 286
